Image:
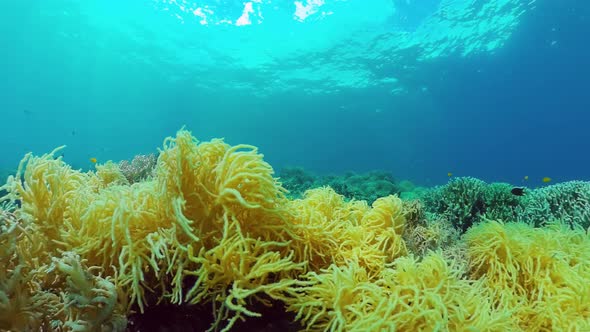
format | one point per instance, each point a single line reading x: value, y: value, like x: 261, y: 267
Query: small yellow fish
x: 546, y: 179
x: 526, y: 177
x: 449, y: 174
x: 93, y: 160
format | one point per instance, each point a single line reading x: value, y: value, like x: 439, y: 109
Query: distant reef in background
x: 463, y: 201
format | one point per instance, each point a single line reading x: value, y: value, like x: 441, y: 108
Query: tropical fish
x: 546, y: 179
x: 93, y: 160
x: 518, y: 191
x: 526, y: 178
x: 449, y: 174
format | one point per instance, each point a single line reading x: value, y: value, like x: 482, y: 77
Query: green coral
x: 364, y: 186
x: 461, y: 201
x: 500, y: 203
x: 415, y: 193
x: 465, y: 201
x: 568, y: 202
x: 297, y: 180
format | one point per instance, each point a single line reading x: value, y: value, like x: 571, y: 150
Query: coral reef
x: 4, y: 174
x: 297, y: 180
x: 568, y: 202
x: 541, y: 274
x: 461, y: 201
x: 212, y: 227
x: 500, y: 203
x: 366, y: 186
x: 62, y: 294
x: 465, y: 201
x: 140, y: 168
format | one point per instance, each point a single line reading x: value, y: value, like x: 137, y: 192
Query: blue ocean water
x: 492, y: 89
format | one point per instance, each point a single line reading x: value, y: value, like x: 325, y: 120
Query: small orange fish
x: 93, y: 160
x: 546, y: 179
x: 449, y: 174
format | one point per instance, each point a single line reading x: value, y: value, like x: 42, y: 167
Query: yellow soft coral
x: 431, y: 295
x: 47, y: 192
x: 542, y: 273
x: 238, y: 269
x: 107, y: 174
x: 152, y: 235
x: 412, y: 295
x: 24, y: 306
x: 335, y: 297
x: 326, y: 229
x: 91, y: 302
x: 319, y: 224
x: 214, y: 226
